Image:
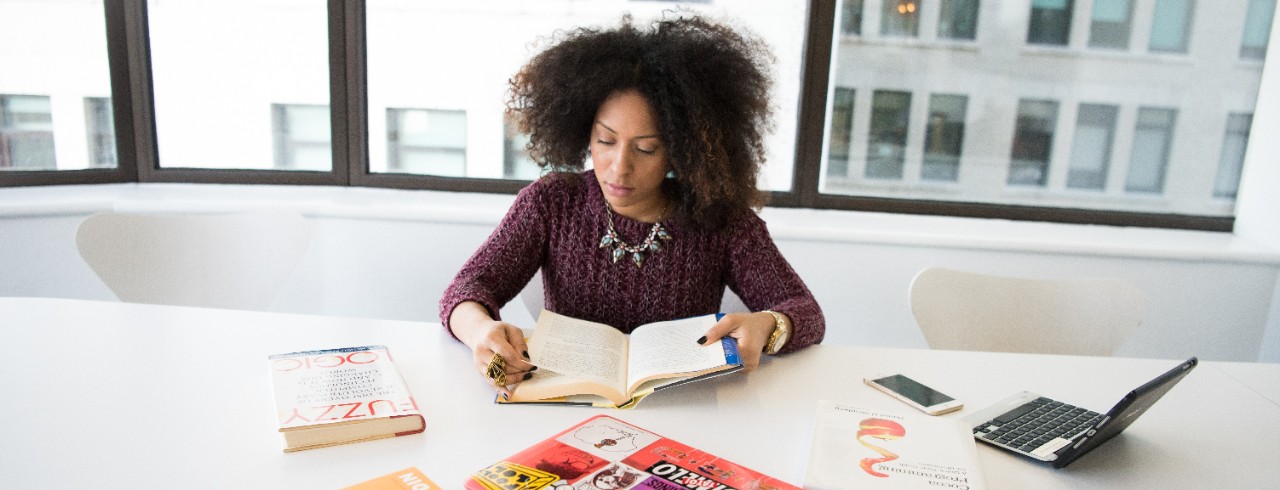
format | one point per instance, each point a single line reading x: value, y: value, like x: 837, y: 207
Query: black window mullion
x: 348, y: 99
x: 816, y: 70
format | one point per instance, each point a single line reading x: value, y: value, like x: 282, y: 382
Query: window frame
x: 137, y: 155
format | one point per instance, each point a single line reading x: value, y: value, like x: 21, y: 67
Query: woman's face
x: 629, y: 158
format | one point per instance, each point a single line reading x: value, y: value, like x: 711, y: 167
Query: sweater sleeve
x: 507, y: 260
x: 762, y: 277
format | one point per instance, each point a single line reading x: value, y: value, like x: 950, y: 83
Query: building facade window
x: 427, y: 142
x: 1050, y: 22
x: 944, y: 137
x: 101, y: 132
x: 26, y: 133
x: 301, y: 136
x: 1152, y: 140
x: 890, y: 118
x: 1257, y: 29
x: 516, y: 162
x: 958, y: 19
x: 1110, y: 24
x: 1033, y: 142
x: 900, y: 18
x: 1091, y: 146
x: 1231, y: 161
x: 851, y: 17
x: 1170, y: 25
x: 841, y: 139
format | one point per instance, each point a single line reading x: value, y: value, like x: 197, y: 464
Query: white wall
x: 390, y: 254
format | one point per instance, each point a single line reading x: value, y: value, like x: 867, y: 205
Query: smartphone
x: 914, y: 393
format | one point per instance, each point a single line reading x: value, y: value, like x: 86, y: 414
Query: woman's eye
x: 647, y: 151
x: 603, y: 142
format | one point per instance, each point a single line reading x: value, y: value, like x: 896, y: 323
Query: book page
x: 670, y: 348
x: 580, y: 349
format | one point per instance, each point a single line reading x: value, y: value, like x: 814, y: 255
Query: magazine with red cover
x: 605, y: 453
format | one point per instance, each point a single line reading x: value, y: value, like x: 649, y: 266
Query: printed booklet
x: 867, y: 449
x: 604, y: 453
x: 586, y: 363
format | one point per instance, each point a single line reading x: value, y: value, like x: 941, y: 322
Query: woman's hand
x: 752, y: 330
x: 487, y: 337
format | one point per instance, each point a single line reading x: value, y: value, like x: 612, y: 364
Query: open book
x: 580, y: 362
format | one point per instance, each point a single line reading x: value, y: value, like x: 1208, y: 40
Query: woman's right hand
x: 486, y: 337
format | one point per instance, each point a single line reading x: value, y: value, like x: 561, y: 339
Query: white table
x: 120, y: 395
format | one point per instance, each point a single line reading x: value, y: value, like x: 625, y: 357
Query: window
x: 900, y: 18
x: 101, y: 132
x: 1111, y: 22
x: 1091, y: 146
x: 516, y: 162
x: 890, y: 113
x: 1232, y: 158
x: 26, y: 133
x: 301, y: 137
x: 1152, y: 139
x: 841, y: 132
x: 1033, y: 142
x: 944, y: 137
x: 425, y: 141
x: 1257, y: 29
x: 1170, y: 23
x: 1050, y: 22
x: 218, y: 67
x: 958, y: 19
x: 851, y: 17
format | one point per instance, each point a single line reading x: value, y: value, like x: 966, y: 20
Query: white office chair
x: 968, y: 311
x: 237, y: 260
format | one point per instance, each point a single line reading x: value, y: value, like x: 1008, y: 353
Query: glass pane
x: 841, y: 139
x: 1033, y: 142
x: 416, y: 60
x: 1257, y: 29
x: 424, y: 141
x: 1169, y: 25
x: 851, y: 17
x: 1029, y: 126
x: 221, y: 71
x: 888, y: 138
x: 100, y: 129
x: 1232, y: 160
x: 899, y: 18
x: 958, y: 19
x: 1152, y: 137
x: 53, y: 58
x: 944, y: 137
x: 1050, y: 22
x: 1110, y: 27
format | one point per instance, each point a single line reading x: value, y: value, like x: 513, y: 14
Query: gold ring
x: 497, y: 370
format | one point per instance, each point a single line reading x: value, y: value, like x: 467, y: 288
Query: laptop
x: 1057, y: 433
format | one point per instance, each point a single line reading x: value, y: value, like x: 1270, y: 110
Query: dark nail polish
x: 505, y: 397
x: 527, y: 376
x: 535, y: 368
x: 702, y: 339
x: 526, y: 354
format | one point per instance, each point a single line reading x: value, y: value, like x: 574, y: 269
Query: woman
x: 673, y: 119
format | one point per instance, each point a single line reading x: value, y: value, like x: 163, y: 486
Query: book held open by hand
x: 338, y: 396
x: 586, y: 363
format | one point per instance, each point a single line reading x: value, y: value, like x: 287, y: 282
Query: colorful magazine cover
x: 604, y: 453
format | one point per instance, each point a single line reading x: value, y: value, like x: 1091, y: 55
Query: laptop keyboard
x: 1035, y: 424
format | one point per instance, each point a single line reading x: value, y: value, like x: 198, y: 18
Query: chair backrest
x: 237, y: 260
x: 959, y: 310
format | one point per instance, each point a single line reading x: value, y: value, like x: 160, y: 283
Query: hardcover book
x: 338, y: 396
x: 859, y: 448
x: 581, y: 362
x: 410, y: 478
x: 604, y: 453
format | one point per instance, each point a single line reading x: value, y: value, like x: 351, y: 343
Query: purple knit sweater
x: 556, y: 223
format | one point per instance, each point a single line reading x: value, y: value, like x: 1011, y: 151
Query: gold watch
x: 779, y: 336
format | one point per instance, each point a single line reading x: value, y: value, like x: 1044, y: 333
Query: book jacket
x: 867, y: 449
x: 604, y: 453
x: 324, y: 389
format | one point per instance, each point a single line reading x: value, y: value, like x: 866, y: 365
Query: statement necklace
x: 612, y: 241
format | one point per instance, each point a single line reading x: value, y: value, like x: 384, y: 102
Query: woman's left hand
x: 752, y: 330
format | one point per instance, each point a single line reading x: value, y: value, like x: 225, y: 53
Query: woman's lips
x: 618, y: 191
